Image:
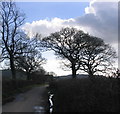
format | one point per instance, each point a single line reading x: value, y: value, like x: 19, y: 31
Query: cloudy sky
x: 97, y: 18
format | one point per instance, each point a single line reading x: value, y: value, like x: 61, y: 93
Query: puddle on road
x: 19, y: 97
x: 39, y: 109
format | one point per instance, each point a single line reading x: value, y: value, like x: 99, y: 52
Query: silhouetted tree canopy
x: 32, y: 60
x: 83, y: 51
x: 67, y: 45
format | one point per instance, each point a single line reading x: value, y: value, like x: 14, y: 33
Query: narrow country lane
x: 30, y: 101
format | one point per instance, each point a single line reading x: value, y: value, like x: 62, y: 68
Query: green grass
x: 86, y: 95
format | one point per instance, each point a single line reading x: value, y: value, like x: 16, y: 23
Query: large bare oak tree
x: 81, y: 50
x: 67, y: 45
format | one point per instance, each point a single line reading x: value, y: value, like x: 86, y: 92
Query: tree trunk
x: 12, y: 66
x: 91, y: 74
x: 73, y: 71
x: 28, y: 76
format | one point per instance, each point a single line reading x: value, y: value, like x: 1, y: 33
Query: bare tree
x: 97, y: 56
x: 10, y: 35
x: 31, y: 60
x: 82, y: 51
x: 67, y: 45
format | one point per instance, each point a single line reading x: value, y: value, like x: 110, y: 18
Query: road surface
x: 30, y: 101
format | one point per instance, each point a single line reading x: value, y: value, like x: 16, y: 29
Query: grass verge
x: 85, y: 95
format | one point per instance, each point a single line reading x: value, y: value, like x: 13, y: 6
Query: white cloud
x: 54, y: 64
x: 100, y: 19
x: 90, y: 9
x: 102, y: 22
x: 46, y: 26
